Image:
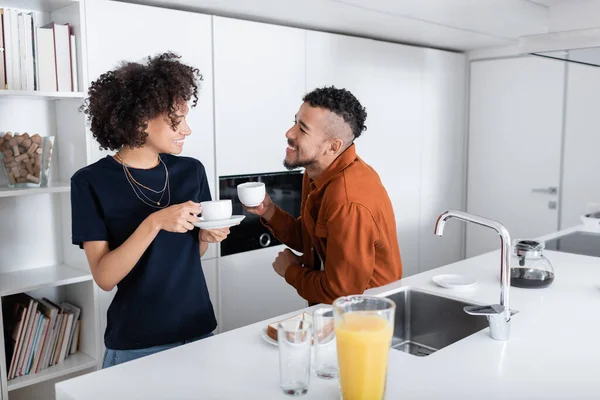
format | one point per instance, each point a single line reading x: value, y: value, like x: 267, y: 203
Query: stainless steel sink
x: 425, y: 323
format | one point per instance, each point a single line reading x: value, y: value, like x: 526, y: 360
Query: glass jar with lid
x: 529, y: 268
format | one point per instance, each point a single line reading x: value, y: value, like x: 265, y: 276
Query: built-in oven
x: 285, y: 190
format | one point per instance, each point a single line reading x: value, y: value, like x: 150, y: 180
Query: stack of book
x: 36, y: 57
x: 38, y: 333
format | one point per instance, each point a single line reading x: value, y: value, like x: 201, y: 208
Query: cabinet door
x: 119, y: 32
x: 443, y: 163
x: 251, y: 291
x: 515, y: 141
x: 386, y: 79
x: 259, y: 85
x: 581, y: 165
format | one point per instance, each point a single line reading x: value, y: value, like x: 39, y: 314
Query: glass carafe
x: 364, y: 326
x: 529, y: 268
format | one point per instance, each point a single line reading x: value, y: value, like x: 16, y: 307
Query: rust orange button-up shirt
x: 347, y: 221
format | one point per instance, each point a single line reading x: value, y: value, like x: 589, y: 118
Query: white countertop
x: 553, y: 351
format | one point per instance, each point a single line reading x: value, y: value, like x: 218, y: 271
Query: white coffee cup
x: 216, y: 210
x: 251, y: 194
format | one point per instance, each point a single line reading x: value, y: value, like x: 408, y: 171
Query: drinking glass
x: 295, y: 340
x: 364, y: 326
x: 325, y: 351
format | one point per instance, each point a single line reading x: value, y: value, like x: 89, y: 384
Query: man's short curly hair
x: 122, y: 101
x: 341, y: 102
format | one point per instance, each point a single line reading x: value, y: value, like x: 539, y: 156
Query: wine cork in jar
x: 26, y: 135
x: 26, y: 143
x: 15, y: 172
x: 29, y: 166
x: 7, y: 154
x: 23, y: 172
x: 36, y: 171
x: 19, y: 139
x: 11, y: 178
x: 22, y: 157
x: 21, y: 180
x: 32, y: 178
x: 7, y: 136
x: 36, y: 139
x: 32, y: 148
x: 38, y: 160
x: 14, y: 146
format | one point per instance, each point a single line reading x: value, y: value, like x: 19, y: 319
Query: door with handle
x: 515, y: 141
x: 549, y: 190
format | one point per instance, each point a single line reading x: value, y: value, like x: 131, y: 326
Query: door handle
x: 548, y: 190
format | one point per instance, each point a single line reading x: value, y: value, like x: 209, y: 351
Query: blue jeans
x: 115, y: 357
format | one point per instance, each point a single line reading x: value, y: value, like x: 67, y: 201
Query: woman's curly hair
x: 121, y: 102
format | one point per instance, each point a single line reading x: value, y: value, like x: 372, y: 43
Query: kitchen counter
x: 553, y: 351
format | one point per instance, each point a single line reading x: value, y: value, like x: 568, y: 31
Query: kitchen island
x: 553, y: 351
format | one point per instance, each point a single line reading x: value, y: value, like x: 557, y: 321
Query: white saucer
x: 452, y: 281
x: 267, y: 338
x: 223, y: 223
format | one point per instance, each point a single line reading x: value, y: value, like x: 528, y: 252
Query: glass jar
x: 529, y: 268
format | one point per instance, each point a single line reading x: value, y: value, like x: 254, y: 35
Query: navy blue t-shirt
x: 164, y: 298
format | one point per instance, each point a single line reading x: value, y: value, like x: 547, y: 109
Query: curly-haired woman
x: 133, y: 212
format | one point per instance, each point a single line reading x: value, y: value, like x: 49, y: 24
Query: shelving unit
x: 75, y: 363
x: 29, y: 94
x: 39, y: 278
x: 53, y: 187
x: 36, y: 254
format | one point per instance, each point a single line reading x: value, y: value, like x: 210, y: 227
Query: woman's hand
x: 177, y: 218
x: 213, y: 235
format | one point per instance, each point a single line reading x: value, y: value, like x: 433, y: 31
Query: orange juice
x: 363, y: 345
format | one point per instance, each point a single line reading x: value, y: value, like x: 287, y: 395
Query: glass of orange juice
x: 364, y: 326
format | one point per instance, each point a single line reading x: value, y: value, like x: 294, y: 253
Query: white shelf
x: 34, y: 94
x: 54, y: 187
x: 37, y: 278
x: 74, y: 363
x: 37, y: 5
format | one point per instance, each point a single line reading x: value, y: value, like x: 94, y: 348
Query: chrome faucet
x: 498, y: 315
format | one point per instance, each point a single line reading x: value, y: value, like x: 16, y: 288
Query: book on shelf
x: 38, y: 333
x: 36, y: 57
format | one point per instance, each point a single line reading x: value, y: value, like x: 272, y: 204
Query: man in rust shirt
x: 346, y: 231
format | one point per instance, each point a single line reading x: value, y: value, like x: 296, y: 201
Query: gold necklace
x: 130, y: 178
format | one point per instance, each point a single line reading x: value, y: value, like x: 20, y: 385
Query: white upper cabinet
x: 259, y: 84
x: 120, y: 32
x: 443, y: 162
x: 387, y: 80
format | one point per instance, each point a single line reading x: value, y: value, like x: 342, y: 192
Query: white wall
x: 581, y: 168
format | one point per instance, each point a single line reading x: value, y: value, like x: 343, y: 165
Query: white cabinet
x: 515, y: 141
x: 443, y: 156
x: 415, y: 101
x: 259, y: 84
x: 114, y: 36
x: 581, y: 165
x: 250, y: 290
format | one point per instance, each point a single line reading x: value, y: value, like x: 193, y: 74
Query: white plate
x: 452, y: 281
x: 267, y: 338
x: 222, y: 223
